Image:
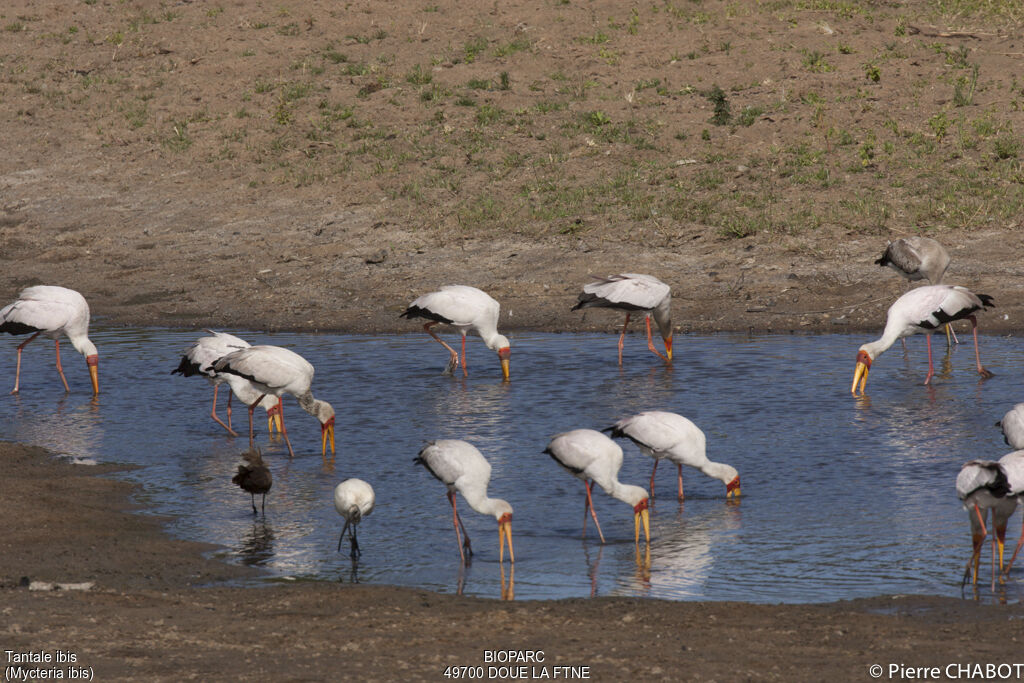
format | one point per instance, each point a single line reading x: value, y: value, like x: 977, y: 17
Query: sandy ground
x: 157, y: 610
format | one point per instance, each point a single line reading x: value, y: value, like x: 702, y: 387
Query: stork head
x: 503, y: 513
x: 325, y: 413
x: 732, y: 487
x: 504, y: 354
x: 641, y: 515
x: 860, y: 372
x: 637, y: 497
x: 273, y: 405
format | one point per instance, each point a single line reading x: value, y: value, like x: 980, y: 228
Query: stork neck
x: 490, y: 336
x: 879, y: 346
x: 718, y: 470
x: 663, y: 317
x: 627, y: 493
x: 307, y: 402
x: 82, y: 344
x: 479, y: 501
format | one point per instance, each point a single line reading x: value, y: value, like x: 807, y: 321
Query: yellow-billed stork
x: 662, y: 434
x: 591, y: 456
x: 461, y: 467
x: 277, y: 371
x: 52, y: 311
x: 921, y: 311
x: 633, y: 292
x: 464, y: 308
x: 199, y: 360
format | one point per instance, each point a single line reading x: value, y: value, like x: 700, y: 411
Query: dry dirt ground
x: 310, y: 164
x: 313, y: 165
x: 155, y: 612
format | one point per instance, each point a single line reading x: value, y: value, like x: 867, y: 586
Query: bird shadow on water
x: 256, y: 547
x: 507, y: 582
x: 640, y: 580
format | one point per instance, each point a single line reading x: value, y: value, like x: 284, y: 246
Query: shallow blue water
x: 843, y: 497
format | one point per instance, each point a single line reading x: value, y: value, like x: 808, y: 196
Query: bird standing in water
x: 464, y: 308
x: 353, y: 499
x: 52, y: 311
x: 633, y: 292
x: 254, y: 477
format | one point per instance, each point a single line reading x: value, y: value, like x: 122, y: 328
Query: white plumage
x: 661, y: 434
x: 464, y: 308
x: 1012, y: 425
x: 592, y: 457
x: 52, y: 311
x: 461, y: 467
x: 353, y: 499
x: 199, y: 360
x: 632, y: 292
x: 277, y: 371
x: 922, y: 310
x: 983, y: 485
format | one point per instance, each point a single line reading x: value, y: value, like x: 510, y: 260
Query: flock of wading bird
x: 262, y: 375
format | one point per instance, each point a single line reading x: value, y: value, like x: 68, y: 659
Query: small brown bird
x: 254, y: 478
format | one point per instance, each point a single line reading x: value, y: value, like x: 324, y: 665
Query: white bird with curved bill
x: 464, y: 308
x: 199, y: 360
x: 661, y: 434
x: 984, y: 485
x: 591, y: 456
x: 633, y: 292
x: 353, y: 499
x: 52, y: 311
x: 277, y: 371
x: 922, y: 311
x: 1012, y: 425
x: 461, y: 467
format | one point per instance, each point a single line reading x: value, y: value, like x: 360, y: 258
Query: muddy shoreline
x: 159, y: 610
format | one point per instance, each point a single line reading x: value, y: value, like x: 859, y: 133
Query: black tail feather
x: 186, y: 367
x: 14, y: 327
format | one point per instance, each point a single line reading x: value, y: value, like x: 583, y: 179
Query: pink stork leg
x: 17, y: 371
x: 453, y: 362
x: 680, y: 474
x: 462, y: 539
x: 56, y: 345
x: 650, y: 340
x: 622, y: 337
x: 593, y: 513
x: 213, y: 412
x: 465, y: 368
x: 252, y: 408
x: 979, y: 542
x: 652, y: 476
x: 977, y: 355
x: 931, y: 368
